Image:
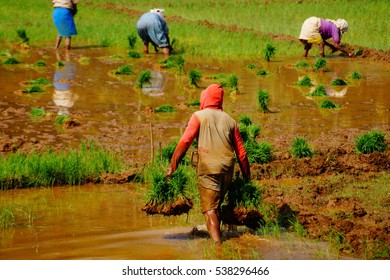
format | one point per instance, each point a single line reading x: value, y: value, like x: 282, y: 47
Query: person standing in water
x: 153, y: 28
x: 317, y: 30
x: 63, y: 13
x: 219, y: 142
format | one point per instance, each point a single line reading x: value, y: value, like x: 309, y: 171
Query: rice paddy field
x: 82, y: 130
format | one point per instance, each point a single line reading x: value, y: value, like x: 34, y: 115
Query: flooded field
x: 105, y: 221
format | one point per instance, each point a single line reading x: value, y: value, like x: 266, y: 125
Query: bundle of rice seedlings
x: 169, y: 62
x: 132, y: 39
x: 251, y: 66
x: 305, y: 81
x: 269, y: 52
x: 123, y: 70
x: 59, y: 64
x: 302, y: 64
x: 355, y: 76
x: 319, y: 64
x: 262, y: 73
x: 165, y: 109
x: 232, y: 82
x: 370, y: 142
x: 258, y: 152
x: 39, y: 63
x: 134, y: 54
x: 319, y: 91
x: 195, y: 77
x: 39, y: 81
x: 11, y: 60
x: 327, y: 104
x: 168, y: 197
x: 338, y: 82
x: 180, y: 65
x: 32, y: 89
x: 300, y: 148
x: 144, y: 78
x: 38, y: 112
x: 241, y: 206
x: 263, y: 99
x: 194, y: 103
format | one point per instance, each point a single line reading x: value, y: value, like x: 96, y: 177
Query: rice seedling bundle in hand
x: 168, y: 195
x: 242, y: 205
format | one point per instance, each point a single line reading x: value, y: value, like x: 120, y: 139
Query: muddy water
x: 104, y: 222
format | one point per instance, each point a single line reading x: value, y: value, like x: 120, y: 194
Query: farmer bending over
x: 219, y: 140
x: 317, y: 30
x: 152, y: 28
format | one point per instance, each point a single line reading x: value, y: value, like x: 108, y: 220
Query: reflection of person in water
x: 63, y: 96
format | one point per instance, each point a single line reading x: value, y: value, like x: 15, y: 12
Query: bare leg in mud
x: 213, y: 225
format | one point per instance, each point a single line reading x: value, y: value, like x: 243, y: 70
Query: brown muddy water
x: 105, y: 221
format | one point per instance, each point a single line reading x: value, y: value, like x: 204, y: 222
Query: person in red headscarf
x: 219, y: 142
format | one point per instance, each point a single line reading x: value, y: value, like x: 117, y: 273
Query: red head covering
x: 212, y: 97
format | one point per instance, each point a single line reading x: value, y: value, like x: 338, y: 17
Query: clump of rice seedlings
x: 168, y: 196
x: 39, y: 81
x: 232, y: 82
x: 319, y: 91
x: 269, y: 52
x: 305, y: 81
x: 132, y: 39
x: 327, y: 104
x: 84, y: 60
x: 251, y: 66
x: 123, y: 70
x: 33, y: 89
x: 370, y: 142
x: 5, y: 52
x: 144, y: 78
x: 180, y: 65
x: 263, y: 100
x: 358, y: 52
x: 11, y: 60
x: 195, y: 77
x: 169, y: 62
x: 7, y: 218
x: 355, y: 76
x: 165, y: 109
x: 61, y: 119
x: 59, y: 63
x: 248, y: 130
x: 39, y: 63
x: 38, y: 112
x: 194, y: 103
x: 319, y: 64
x: 262, y: 73
x: 302, y: 64
x: 300, y: 148
x: 23, y: 36
x: 338, y: 82
x: 242, y: 204
x: 134, y: 54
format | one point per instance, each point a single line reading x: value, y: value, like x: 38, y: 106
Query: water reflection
x: 63, y: 95
x: 156, y: 85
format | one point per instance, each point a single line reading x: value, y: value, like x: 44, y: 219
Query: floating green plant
x: 355, y: 76
x: 327, y: 104
x: 123, y: 70
x: 338, y: 82
x: 165, y: 109
x: 40, y: 63
x: 134, y: 54
x: 194, y: 103
x: 33, y: 89
x: 11, y: 60
x: 195, y: 77
x: 144, y: 78
x: 38, y: 112
x: 305, y: 81
x: 319, y: 91
x: 262, y: 73
x: 263, y: 100
x: 132, y: 39
x: 59, y: 63
x: 300, y: 148
x: 302, y: 64
x: 61, y: 119
x: 251, y: 66
x: 370, y: 142
x: 319, y: 64
x: 269, y: 52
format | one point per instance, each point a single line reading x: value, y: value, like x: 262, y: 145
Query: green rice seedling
x: 165, y: 109
x: 262, y: 73
x: 327, y: 104
x: 319, y: 64
x: 232, y: 82
x: 300, y: 148
x: 144, y: 78
x: 370, y: 142
x: 305, y: 81
x: 355, y: 76
x: 259, y: 152
x: 358, y: 52
x: 245, y: 120
x: 11, y: 60
x: 61, y: 119
x: 170, y: 62
x: 123, y: 70
x: 38, y: 112
x: 301, y: 64
x: 116, y: 57
x: 319, y: 91
x: 338, y: 82
x: 194, y: 103
x: 132, y: 39
x: 59, y: 64
x: 39, y: 63
x: 251, y: 66
x: 263, y: 100
x: 33, y: 89
x: 248, y: 130
x: 84, y: 60
x: 180, y: 65
x: 23, y: 36
x: 269, y: 52
x: 39, y: 81
x: 195, y: 77
x: 7, y: 218
x: 134, y: 54
x: 5, y: 52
